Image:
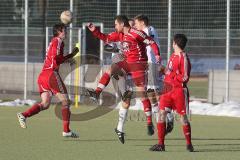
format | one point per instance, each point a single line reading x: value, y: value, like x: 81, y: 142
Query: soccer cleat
x: 169, y: 127
x: 70, y: 134
x: 93, y: 95
x: 120, y: 136
x: 190, y: 148
x: 157, y: 147
x: 150, y: 129
x: 22, y: 120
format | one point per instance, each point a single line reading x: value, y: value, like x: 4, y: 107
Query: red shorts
x: 50, y: 81
x: 138, y: 71
x: 177, y: 99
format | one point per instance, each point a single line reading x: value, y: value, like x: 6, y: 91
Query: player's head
x: 59, y: 30
x: 179, y: 41
x: 131, y: 22
x: 121, y: 21
x: 141, y: 21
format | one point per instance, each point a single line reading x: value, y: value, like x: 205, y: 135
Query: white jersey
x: 150, y: 31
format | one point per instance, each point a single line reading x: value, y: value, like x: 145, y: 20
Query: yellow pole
x: 77, y: 76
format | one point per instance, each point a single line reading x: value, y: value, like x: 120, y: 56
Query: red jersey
x: 133, y: 44
x: 178, y: 70
x: 54, y: 55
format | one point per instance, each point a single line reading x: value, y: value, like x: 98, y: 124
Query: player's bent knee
x: 127, y: 95
x: 184, y: 119
x: 125, y: 104
x: 45, y: 105
x: 66, y: 103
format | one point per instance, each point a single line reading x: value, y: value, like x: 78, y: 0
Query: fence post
x: 118, y: 7
x: 26, y: 49
x: 227, y: 51
x: 169, y: 27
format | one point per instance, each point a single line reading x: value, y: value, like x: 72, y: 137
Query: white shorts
x: 155, y: 79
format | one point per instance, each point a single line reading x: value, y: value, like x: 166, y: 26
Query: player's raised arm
x: 112, y: 37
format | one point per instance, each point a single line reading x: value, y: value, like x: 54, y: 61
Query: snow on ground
x: 17, y: 103
x: 231, y: 109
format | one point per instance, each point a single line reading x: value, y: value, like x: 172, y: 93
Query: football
x: 66, y: 17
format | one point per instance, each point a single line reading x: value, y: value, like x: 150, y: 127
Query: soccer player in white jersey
x: 154, y: 77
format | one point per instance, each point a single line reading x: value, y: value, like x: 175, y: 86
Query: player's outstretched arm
x: 112, y: 37
x: 72, y: 54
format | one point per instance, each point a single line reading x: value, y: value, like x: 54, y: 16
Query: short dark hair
x: 58, y: 28
x: 143, y: 18
x: 122, y: 19
x: 180, y: 40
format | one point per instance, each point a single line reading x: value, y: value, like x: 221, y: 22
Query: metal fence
x: 203, y: 21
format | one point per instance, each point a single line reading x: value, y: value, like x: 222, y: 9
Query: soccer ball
x: 66, y: 17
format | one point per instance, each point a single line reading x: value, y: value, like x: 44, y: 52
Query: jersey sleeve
x: 112, y: 37
x: 184, y: 69
x: 57, y: 52
x: 144, y: 38
x: 153, y: 34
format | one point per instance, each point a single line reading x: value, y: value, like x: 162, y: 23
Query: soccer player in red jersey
x: 133, y: 45
x: 50, y: 82
x: 177, y: 74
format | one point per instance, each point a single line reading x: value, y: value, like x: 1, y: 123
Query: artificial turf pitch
x: 214, y: 138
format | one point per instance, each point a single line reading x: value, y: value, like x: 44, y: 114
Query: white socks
x: 122, y: 117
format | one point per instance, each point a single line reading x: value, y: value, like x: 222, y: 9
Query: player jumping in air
x: 50, y: 82
x: 177, y: 73
x: 154, y: 77
x: 134, y: 62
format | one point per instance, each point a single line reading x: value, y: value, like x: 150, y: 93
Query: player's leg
x: 161, y: 127
x: 169, y: 121
x: 35, y: 109
x: 165, y: 102
x: 104, y: 81
x: 140, y: 80
x: 59, y: 89
x: 123, y: 112
x: 126, y: 95
x: 151, y: 86
x: 181, y: 103
x: 66, y: 114
x: 186, y: 127
x: 154, y: 103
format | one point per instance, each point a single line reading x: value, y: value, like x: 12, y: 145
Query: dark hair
x: 58, y: 28
x: 180, y: 40
x: 122, y: 19
x: 143, y: 18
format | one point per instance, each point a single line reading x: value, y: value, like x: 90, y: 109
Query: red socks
x: 161, y: 126
x: 35, y: 109
x: 148, y: 110
x: 103, y: 82
x: 66, y: 118
x: 187, y: 133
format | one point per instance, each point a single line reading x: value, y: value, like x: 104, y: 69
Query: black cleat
x: 157, y: 147
x: 190, y: 148
x: 93, y: 95
x: 150, y: 129
x: 169, y: 127
x: 120, y: 136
